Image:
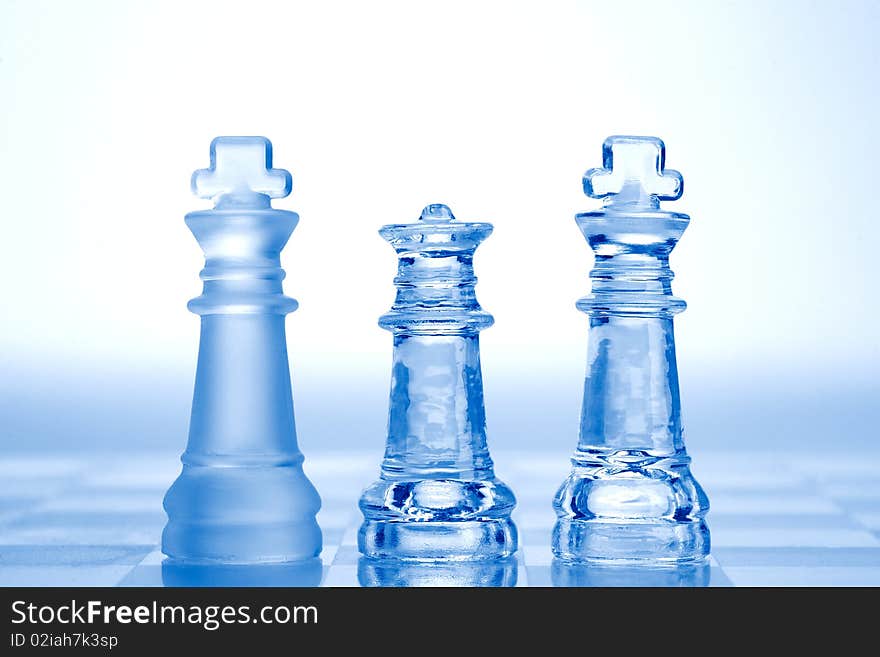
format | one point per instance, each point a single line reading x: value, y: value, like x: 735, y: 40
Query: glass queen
x: 438, y: 497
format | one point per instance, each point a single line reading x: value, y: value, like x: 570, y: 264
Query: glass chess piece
x: 437, y: 497
x: 631, y: 496
x: 242, y: 496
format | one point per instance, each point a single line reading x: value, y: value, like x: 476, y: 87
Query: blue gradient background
x: 496, y: 108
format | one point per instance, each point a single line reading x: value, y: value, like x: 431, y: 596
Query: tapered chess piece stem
x: 631, y: 496
x: 242, y: 496
x: 438, y: 497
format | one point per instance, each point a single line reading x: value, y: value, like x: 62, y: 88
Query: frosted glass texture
x: 242, y: 496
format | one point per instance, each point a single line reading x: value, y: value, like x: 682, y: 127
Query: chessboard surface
x: 776, y: 520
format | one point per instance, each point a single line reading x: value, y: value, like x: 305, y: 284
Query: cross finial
x: 241, y: 173
x: 633, y: 173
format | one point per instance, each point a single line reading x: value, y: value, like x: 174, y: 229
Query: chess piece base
x: 241, y: 515
x: 631, y: 542
x: 298, y: 573
x: 484, y: 573
x: 463, y: 540
x: 692, y: 574
x: 630, y: 507
x: 433, y: 519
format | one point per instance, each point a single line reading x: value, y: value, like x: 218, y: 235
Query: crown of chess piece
x: 438, y: 497
x: 242, y: 496
x: 631, y: 497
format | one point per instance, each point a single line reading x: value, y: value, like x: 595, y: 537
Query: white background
x: 768, y: 109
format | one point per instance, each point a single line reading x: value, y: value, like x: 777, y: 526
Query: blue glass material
x: 438, y: 497
x: 631, y: 496
x: 593, y: 574
x: 399, y: 573
x: 242, y: 496
x: 307, y: 572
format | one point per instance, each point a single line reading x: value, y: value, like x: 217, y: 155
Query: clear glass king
x: 631, y: 496
x: 242, y: 496
x: 438, y: 497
